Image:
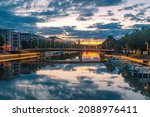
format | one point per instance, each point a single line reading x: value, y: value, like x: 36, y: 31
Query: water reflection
x: 139, y: 85
x: 69, y: 81
x: 91, y: 56
x: 9, y: 70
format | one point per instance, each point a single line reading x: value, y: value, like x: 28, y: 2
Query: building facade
x: 27, y: 36
x: 15, y: 41
x: 11, y: 39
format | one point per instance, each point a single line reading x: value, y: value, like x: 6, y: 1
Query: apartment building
x: 11, y: 39
x: 15, y: 41
x: 27, y: 36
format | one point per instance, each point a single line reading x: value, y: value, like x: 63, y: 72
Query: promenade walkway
x: 13, y: 57
x: 135, y: 60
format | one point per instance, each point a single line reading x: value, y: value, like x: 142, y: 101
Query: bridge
x: 67, y: 49
x: 79, y: 50
x: 40, y: 54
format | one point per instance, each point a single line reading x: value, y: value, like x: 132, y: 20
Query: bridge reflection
x: 91, y: 55
x: 77, y: 57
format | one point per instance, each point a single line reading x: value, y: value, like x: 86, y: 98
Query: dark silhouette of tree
x: 133, y: 41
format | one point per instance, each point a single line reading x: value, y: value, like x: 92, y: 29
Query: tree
x: 33, y: 43
x: 109, y: 43
x: 133, y: 41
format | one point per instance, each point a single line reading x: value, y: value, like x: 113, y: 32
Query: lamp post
x: 147, y: 47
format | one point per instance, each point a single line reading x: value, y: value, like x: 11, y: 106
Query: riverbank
x: 35, y: 55
x: 13, y: 57
x: 134, y: 59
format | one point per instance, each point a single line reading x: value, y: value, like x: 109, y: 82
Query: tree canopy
x: 133, y: 41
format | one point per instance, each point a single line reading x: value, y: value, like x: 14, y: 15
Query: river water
x: 96, y: 81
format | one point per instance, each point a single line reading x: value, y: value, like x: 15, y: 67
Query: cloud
x: 106, y: 26
x: 132, y: 7
x: 114, y: 19
x: 140, y: 14
x: 88, y: 14
x: 98, y: 2
x: 110, y: 13
x: 55, y: 30
x: 140, y: 25
x: 20, y: 23
x: 101, y: 34
x: 132, y: 17
x: 56, y: 6
x: 148, y: 20
x: 138, y: 17
x: 87, y: 34
x: 81, y: 18
x: 50, y: 30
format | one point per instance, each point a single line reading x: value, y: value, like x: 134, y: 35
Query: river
x: 96, y: 81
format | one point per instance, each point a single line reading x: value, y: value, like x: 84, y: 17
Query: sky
x: 79, y: 18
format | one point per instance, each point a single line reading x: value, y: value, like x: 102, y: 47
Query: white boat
x: 140, y: 71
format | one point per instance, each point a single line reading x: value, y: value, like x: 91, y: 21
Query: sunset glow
x: 92, y: 42
x: 90, y: 55
x: 81, y: 19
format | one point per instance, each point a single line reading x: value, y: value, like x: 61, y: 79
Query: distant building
x: 56, y: 42
x: 55, y: 39
x: 11, y: 39
x: 27, y: 36
x: 40, y: 37
x: 15, y: 41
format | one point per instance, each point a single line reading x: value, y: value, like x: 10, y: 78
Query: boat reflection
x: 138, y: 83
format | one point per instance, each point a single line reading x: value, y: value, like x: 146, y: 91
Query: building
x: 56, y: 39
x: 40, y: 37
x: 11, y: 39
x: 56, y: 42
x: 27, y: 36
x: 15, y: 41
x: 6, y: 34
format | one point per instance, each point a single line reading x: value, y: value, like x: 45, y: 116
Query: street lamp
x: 147, y: 47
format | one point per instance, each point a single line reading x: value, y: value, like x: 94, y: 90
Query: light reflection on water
x: 90, y: 55
x: 64, y: 81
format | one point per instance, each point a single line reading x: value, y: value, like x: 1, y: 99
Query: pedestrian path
x: 135, y: 60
